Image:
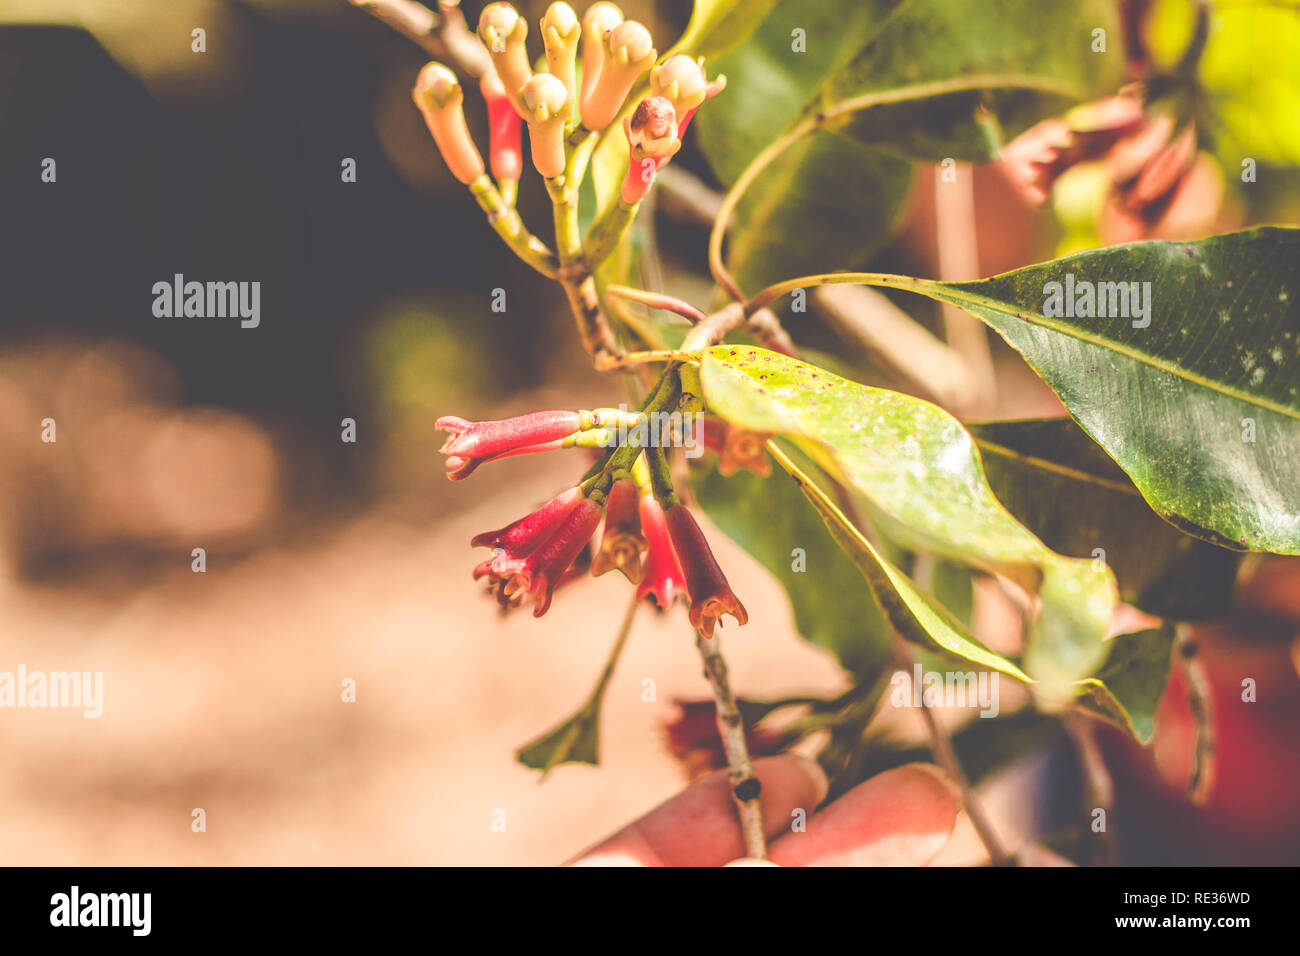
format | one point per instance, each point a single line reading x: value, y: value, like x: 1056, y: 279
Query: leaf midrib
x: 1056, y: 467
x: 945, y: 292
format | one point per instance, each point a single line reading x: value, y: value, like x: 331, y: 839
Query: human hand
x: 902, y: 817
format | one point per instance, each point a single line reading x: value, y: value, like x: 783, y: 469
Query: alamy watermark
x: 924, y: 688
x: 1083, y: 299
x: 82, y: 690
x: 657, y: 430
x: 208, y: 300
x: 75, y: 908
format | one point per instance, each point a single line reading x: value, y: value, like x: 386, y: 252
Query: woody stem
x: 745, y: 786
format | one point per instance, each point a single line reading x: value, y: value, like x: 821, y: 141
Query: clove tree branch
x: 745, y: 786
x: 443, y: 35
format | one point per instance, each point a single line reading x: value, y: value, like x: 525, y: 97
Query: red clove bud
x: 711, y: 595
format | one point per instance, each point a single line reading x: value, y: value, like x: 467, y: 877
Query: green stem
x: 839, y: 111
x: 774, y: 292
x: 604, y: 235
x: 661, y: 477
x: 579, y: 287
x: 510, y: 227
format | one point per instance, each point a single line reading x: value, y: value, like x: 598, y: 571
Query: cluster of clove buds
x: 557, y: 107
x: 649, y: 535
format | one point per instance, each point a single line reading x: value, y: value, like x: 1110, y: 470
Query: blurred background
x: 326, y: 560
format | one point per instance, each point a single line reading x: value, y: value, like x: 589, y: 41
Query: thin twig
x: 629, y: 359
x: 444, y: 35
x: 745, y: 786
x: 1098, y: 787
x: 957, y: 258
x: 869, y: 319
x: 1199, y: 699
x: 656, y: 300
x: 941, y: 747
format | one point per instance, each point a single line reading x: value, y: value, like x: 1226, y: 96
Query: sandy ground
x: 224, y: 691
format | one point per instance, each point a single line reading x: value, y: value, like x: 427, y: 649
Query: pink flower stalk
x: 520, y: 538
x: 711, y: 595
x: 662, y: 579
x: 473, y: 443
x: 537, y: 576
x: 505, y: 136
x: 621, y: 543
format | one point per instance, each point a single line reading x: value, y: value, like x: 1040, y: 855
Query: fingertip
x: 902, y: 817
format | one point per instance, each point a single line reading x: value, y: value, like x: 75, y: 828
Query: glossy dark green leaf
x: 937, y: 73
x: 1061, y: 485
x: 920, y: 472
x: 1127, y: 690
x: 1197, y: 399
x: 770, y: 519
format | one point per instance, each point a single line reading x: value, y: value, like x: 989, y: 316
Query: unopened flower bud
x: 440, y: 100
x: 543, y: 569
x: 520, y: 538
x: 711, y: 89
x: 662, y: 580
x: 503, y: 31
x: 711, y: 595
x: 472, y: 443
x: 680, y: 80
x: 547, y: 104
x: 560, y: 33
x: 599, y: 19
x: 622, y: 542
x: 505, y: 152
x: 629, y: 52
x: 652, y: 140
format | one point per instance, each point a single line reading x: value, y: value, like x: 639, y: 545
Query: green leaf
x: 1127, y: 690
x: 920, y: 472
x: 1061, y: 485
x: 1199, y: 404
x: 718, y: 25
x: 923, y: 82
x: 576, y: 740
x: 853, y: 193
x: 769, y: 518
x: 914, y: 614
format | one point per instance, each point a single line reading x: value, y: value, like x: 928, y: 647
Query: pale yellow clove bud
x: 503, y: 31
x: 440, y: 99
x: 629, y: 52
x: 547, y: 104
x: 681, y: 81
x: 560, y: 33
x: 599, y: 19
